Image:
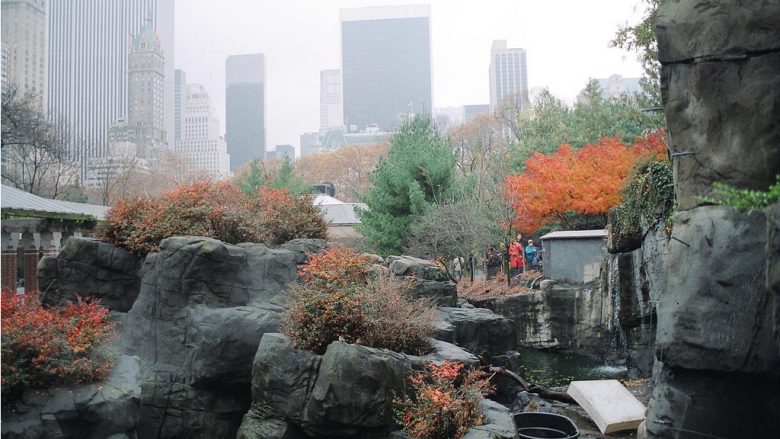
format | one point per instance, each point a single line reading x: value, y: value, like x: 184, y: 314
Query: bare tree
x: 35, y: 147
x: 118, y: 174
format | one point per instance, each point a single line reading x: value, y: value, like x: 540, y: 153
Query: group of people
x: 520, y: 259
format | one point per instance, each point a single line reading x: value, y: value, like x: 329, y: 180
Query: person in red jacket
x: 516, y: 256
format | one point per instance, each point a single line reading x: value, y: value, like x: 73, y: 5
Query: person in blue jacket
x: 532, y: 255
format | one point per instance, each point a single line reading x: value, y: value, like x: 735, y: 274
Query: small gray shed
x: 575, y: 256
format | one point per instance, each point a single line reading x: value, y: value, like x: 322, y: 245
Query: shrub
x: 42, y: 347
x: 335, y: 300
x: 445, y: 402
x: 220, y: 211
x: 744, y: 199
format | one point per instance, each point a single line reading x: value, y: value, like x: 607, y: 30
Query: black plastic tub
x: 537, y: 425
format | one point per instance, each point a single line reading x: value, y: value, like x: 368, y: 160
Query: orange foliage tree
x: 586, y: 181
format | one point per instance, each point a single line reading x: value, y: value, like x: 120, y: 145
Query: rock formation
x: 90, y: 268
x: 715, y: 349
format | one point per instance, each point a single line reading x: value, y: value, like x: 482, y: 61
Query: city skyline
x: 301, y: 38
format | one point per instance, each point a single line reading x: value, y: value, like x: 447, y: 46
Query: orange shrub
x: 220, y: 211
x: 445, y: 403
x: 42, y: 347
x: 335, y: 300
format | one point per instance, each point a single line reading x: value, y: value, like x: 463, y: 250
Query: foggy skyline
x: 566, y: 42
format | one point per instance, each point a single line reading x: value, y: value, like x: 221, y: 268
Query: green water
x: 553, y: 369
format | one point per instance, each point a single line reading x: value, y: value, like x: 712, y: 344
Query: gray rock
x: 255, y: 427
x: 347, y: 392
x: 429, y: 280
x: 175, y: 410
x: 282, y: 378
x: 415, y: 267
x: 713, y: 404
x: 444, y: 331
x: 93, y: 411
x: 439, y: 293
x: 90, y: 268
x: 198, y: 321
x: 715, y: 312
x: 773, y: 261
x: 354, y: 390
x: 443, y: 351
x: 302, y: 246
x: 721, y: 93
x: 481, y: 330
x: 712, y: 28
x: 205, y: 305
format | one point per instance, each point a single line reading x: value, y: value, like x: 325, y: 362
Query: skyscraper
x: 508, y: 75
x: 331, y: 109
x: 145, y: 98
x: 245, y: 108
x: 385, y: 65
x: 201, y: 144
x: 24, y: 24
x: 179, y: 103
x: 89, y: 44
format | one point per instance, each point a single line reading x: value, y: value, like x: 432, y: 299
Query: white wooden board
x: 611, y: 406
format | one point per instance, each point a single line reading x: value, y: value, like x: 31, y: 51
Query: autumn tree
x: 348, y: 168
x: 417, y: 172
x: 586, y: 181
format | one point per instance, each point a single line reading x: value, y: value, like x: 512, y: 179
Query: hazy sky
x: 567, y: 43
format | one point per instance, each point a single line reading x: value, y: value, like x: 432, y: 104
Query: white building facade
x: 25, y: 50
x: 508, y: 75
x: 201, y: 144
x: 331, y: 109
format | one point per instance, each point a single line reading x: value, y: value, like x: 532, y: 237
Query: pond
x: 555, y: 369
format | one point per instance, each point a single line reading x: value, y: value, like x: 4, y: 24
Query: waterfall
x: 618, y: 347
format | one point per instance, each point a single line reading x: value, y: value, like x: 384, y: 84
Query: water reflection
x: 552, y: 369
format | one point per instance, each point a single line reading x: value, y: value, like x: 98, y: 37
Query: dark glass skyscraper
x: 245, y: 108
x: 385, y: 65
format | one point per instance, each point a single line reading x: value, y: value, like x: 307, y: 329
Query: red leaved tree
x: 586, y: 181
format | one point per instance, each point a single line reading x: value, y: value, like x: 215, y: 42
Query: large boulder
x: 428, y: 279
x: 712, y: 404
x: 716, y: 313
x: 93, y: 411
x: 88, y: 267
x: 202, y: 311
x: 773, y: 261
x: 205, y: 304
x: 481, y: 330
x: 346, y: 392
x: 721, y: 93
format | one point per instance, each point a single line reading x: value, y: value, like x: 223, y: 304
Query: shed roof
x: 16, y: 202
x: 577, y: 234
x: 341, y: 214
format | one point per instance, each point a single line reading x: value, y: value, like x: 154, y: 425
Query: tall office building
x: 25, y: 48
x: 285, y: 150
x: 179, y: 103
x: 145, y: 98
x: 385, y: 65
x: 4, y: 67
x: 89, y: 47
x: 201, y: 145
x: 508, y: 75
x: 308, y: 143
x: 331, y: 110
x: 245, y: 108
